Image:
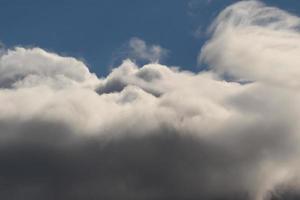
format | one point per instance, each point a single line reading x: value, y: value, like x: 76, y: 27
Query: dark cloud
x: 46, y: 161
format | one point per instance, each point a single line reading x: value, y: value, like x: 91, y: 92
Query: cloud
x: 254, y: 42
x: 158, y: 132
x: 138, y: 49
x: 140, y: 52
x: 30, y: 67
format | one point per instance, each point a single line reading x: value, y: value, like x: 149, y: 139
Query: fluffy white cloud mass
x: 157, y: 132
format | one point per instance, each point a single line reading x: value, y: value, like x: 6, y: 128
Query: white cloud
x: 157, y: 131
x: 20, y: 67
x: 254, y: 42
x: 138, y: 49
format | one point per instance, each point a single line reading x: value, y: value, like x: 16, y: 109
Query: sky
x: 97, y: 31
x: 160, y: 100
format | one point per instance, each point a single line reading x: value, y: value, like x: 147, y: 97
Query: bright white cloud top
x: 156, y: 131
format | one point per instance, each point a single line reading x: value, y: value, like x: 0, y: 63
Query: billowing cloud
x: 30, y: 67
x: 157, y: 132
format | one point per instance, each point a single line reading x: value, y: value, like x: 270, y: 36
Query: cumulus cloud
x: 29, y: 67
x: 158, y: 132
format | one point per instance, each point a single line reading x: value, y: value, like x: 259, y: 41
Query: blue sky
x: 96, y: 30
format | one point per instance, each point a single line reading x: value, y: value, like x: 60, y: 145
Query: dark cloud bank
x: 156, y: 132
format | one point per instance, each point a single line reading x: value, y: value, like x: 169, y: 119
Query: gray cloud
x: 157, y: 132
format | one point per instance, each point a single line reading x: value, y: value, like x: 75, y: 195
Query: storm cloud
x: 156, y: 131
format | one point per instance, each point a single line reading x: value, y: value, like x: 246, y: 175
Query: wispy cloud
x: 139, y: 51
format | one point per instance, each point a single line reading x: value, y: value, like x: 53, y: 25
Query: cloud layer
x: 157, y: 132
